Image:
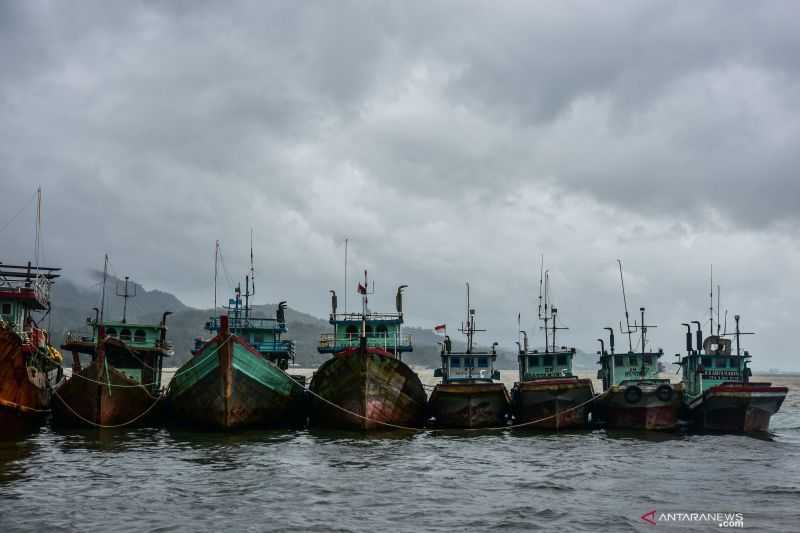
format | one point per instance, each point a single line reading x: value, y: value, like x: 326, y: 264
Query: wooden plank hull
x: 554, y: 400
x: 469, y: 405
x: 233, y: 388
x: 25, y: 391
x: 648, y: 413
x: 86, y: 399
x: 372, y: 384
x: 736, y: 408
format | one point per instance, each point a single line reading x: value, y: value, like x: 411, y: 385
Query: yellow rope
x: 22, y: 408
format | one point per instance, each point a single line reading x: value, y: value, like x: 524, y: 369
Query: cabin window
x: 381, y: 331
x: 6, y: 309
x: 618, y: 361
x: 633, y: 361
x: 125, y: 335
x: 258, y: 339
x: 351, y: 330
x: 707, y: 362
x: 369, y: 330
x: 483, y: 362
x: 720, y: 362
x: 533, y: 360
x: 547, y: 360
x: 648, y: 360
x: 469, y: 362
x: 139, y: 335
x: 111, y: 332
x: 732, y: 363
x: 561, y: 360
x: 455, y: 362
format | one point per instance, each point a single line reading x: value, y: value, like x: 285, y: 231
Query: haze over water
x: 152, y: 479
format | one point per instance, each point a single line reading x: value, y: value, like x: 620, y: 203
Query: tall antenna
x: 252, y: 266
x: 625, y: 301
x: 346, y: 241
x: 718, y: 321
x: 711, y: 301
x: 103, y: 291
x: 125, y: 295
x: 216, y: 265
x: 469, y: 328
x: 37, y: 243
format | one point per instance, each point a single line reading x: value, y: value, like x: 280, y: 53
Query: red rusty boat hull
x: 469, y: 405
x: 649, y: 413
x: 371, y: 383
x: 555, y: 400
x: 736, y: 408
x: 86, y: 399
x: 25, y: 393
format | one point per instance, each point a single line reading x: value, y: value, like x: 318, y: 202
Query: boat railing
x: 275, y: 346
x: 238, y: 323
x: 330, y: 341
x: 356, y: 317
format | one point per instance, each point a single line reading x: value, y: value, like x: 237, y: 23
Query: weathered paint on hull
x: 469, y: 405
x: 550, y: 398
x: 650, y: 413
x: 124, y: 403
x: 372, y: 384
x: 737, y: 408
x: 233, y: 389
x: 24, y: 398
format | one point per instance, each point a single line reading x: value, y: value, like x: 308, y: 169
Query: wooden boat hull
x: 469, y: 405
x: 371, y: 383
x: 648, y: 413
x: 93, y: 397
x: 736, y: 408
x: 25, y: 391
x: 233, y: 387
x: 555, y: 400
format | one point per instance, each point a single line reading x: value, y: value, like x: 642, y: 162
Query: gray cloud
x: 448, y: 141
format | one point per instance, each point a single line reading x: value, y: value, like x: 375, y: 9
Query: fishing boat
x: 29, y: 365
x: 636, y: 397
x: 719, y: 396
x: 237, y: 378
x: 365, y: 385
x: 121, y: 385
x: 548, y: 391
x: 469, y: 395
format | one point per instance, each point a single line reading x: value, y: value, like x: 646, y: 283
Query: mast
x: 346, y: 241
x: 37, y: 243
x: 718, y: 303
x: 625, y: 301
x: 364, y: 313
x: 103, y: 291
x: 125, y: 295
x: 711, y: 301
x: 216, y: 264
x: 470, y: 324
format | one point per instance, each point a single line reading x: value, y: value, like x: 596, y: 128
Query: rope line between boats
x: 409, y: 428
x: 105, y: 426
x: 22, y: 408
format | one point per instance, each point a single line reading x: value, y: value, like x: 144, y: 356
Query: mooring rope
x: 22, y: 408
x: 104, y: 426
x: 409, y: 428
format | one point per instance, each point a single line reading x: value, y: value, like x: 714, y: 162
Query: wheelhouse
x: 537, y: 365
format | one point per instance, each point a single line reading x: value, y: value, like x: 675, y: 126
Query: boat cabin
x: 467, y: 367
x: 263, y: 334
x: 382, y: 330
x: 616, y: 368
x: 23, y: 291
x: 712, y: 362
x: 136, y: 350
x: 541, y: 365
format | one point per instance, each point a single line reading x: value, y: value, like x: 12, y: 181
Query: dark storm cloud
x: 449, y: 141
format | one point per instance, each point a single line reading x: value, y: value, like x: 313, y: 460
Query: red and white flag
x: 362, y: 289
x: 441, y: 328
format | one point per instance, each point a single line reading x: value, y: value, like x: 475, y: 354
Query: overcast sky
x: 449, y: 141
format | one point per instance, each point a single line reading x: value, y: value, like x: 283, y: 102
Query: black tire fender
x: 664, y: 393
x: 633, y: 394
